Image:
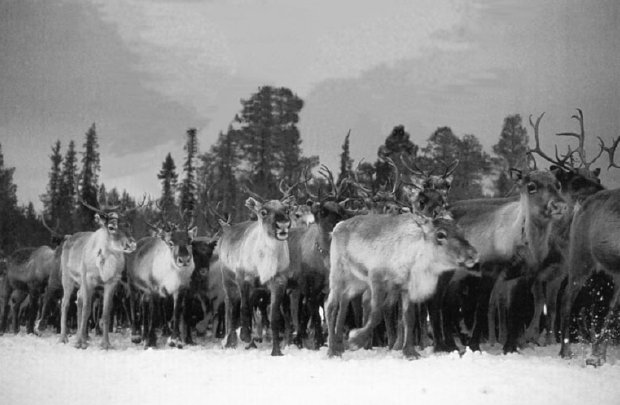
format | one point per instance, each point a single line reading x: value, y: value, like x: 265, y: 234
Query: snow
x: 40, y: 370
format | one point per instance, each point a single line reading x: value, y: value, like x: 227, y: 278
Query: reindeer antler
x: 413, y: 168
x: 581, y: 151
x: 53, y: 232
x: 611, y: 151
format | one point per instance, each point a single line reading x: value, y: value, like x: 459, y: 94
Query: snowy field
x: 38, y: 370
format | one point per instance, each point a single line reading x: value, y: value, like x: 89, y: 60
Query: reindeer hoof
x: 136, y: 339
x: 595, y: 361
x: 106, y: 345
x: 80, y: 344
x: 175, y: 342
x: 230, y: 341
x: 276, y: 352
x: 245, y: 335
x: 410, y: 353
x: 252, y: 345
x: 357, y: 339
x: 63, y: 339
x: 566, y: 353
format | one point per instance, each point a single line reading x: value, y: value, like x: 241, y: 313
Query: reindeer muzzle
x: 556, y: 208
x: 130, y: 245
x: 282, y: 229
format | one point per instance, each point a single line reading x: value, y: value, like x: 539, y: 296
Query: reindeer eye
x: 441, y: 236
x: 531, y: 188
x: 263, y: 213
x: 558, y: 186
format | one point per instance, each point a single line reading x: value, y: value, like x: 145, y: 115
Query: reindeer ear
x: 253, y: 205
x: 99, y: 220
x: 193, y: 232
x: 516, y: 175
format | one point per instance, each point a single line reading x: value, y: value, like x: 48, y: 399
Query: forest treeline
x: 260, y: 148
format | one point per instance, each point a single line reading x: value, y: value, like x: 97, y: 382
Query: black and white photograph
x: 309, y: 202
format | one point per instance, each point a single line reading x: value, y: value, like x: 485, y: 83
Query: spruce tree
x: 168, y: 177
x: 9, y: 212
x: 89, y: 177
x: 51, y: 199
x: 346, y: 163
x: 189, y: 189
x: 512, y: 150
x: 68, y: 192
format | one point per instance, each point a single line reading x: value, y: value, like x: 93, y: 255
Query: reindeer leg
x: 68, y: 289
x: 15, y: 310
x: 174, y: 339
x: 408, y: 317
x: 231, y: 304
x: 245, y: 310
x: 34, y: 309
x: 599, y: 346
x: 493, y: 311
x: 359, y: 337
x: 4, y: 308
x: 333, y: 315
x: 108, y: 297
x: 573, y: 287
x: 48, y: 298
x: 84, y: 308
x: 553, y: 288
x: 136, y: 333
x: 277, y: 287
x: 532, y: 332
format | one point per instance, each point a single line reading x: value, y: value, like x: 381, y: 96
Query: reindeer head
x: 118, y: 232
x: 452, y: 249
x: 428, y: 192
x: 542, y: 191
x: 273, y: 216
x: 302, y: 215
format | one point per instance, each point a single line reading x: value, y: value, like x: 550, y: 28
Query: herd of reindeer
x: 401, y: 267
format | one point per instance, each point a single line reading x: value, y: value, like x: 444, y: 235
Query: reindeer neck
x: 535, y: 232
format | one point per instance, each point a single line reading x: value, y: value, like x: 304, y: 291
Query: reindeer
x: 256, y: 252
x: 89, y: 260
x: 309, y: 258
x: 28, y: 272
x: 393, y: 257
x: 578, y: 182
x: 593, y: 243
x: 501, y: 228
x: 162, y: 267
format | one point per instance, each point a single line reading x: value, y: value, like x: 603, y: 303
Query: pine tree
x: 346, y: 163
x: 51, y: 200
x: 189, y: 189
x: 168, y: 177
x: 89, y: 177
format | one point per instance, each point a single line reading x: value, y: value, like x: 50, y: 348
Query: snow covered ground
x: 40, y: 370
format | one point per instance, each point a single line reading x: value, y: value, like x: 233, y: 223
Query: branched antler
x: 537, y: 149
x: 581, y: 151
x: 611, y: 150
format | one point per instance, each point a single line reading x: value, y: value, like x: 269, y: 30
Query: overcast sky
x: 146, y: 70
